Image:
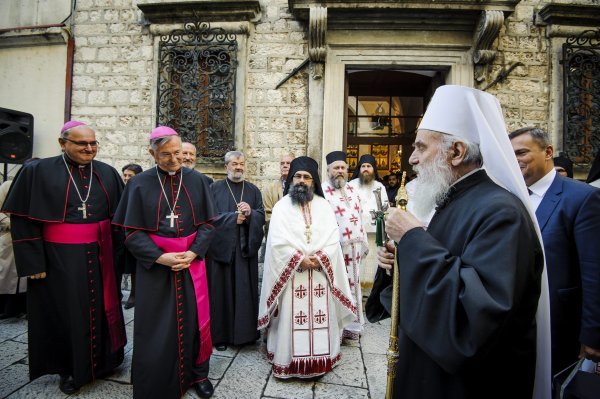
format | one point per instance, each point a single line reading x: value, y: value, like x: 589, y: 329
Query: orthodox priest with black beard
x: 233, y: 272
x: 166, y: 212
x: 60, y: 211
x: 472, y: 282
x: 305, y: 300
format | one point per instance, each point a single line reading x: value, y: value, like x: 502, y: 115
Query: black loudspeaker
x: 16, y: 136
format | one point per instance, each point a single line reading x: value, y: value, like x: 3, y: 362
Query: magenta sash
x: 70, y: 233
x: 198, y: 272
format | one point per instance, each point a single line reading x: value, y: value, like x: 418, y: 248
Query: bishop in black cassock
x: 167, y: 212
x: 60, y: 223
x: 233, y: 273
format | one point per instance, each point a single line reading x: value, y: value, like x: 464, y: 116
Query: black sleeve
x: 142, y: 248
x: 28, y: 245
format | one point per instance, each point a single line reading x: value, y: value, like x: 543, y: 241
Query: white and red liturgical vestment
x: 345, y: 203
x: 304, y: 310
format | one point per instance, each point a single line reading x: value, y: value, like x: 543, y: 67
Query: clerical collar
x: 165, y: 172
x: 73, y: 163
x: 234, y: 182
x: 466, y: 175
x: 463, y: 183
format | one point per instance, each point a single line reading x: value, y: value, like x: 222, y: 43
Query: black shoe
x: 129, y: 304
x: 204, y: 389
x: 67, y: 385
x: 221, y: 348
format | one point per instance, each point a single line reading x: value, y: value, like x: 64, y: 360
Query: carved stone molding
x: 175, y: 11
x: 317, y: 30
x: 34, y: 37
x: 488, y: 27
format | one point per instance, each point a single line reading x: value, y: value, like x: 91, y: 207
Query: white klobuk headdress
x: 476, y: 116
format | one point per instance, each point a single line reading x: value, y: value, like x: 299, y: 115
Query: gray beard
x: 234, y: 179
x: 431, y: 186
x: 337, y: 182
x: 301, y: 194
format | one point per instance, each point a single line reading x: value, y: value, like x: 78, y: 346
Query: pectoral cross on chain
x: 83, y: 210
x: 171, y: 216
x: 307, y: 234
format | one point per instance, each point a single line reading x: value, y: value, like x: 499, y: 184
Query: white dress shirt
x: 539, y: 188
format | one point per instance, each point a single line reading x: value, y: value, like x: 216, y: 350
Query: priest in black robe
x: 471, y: 283
x: 63, y: 241
x: 233, y: 273
x: 166, y: 212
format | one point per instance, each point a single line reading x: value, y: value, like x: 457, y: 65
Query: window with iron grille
x: 196, y: 86
x: 581, y: 102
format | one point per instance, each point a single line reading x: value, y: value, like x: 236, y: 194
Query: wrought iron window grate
x: 581, y: 102
x: 196, y: 86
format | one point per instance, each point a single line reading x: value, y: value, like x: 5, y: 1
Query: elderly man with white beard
x: 353, y: 238
x: 470, y: 284
x: 305, y: 299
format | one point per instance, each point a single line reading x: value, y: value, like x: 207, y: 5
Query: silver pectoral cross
x: 83, y: 210
x: 172, y: 216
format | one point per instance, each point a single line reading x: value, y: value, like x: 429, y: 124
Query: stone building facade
x: 110, y: 52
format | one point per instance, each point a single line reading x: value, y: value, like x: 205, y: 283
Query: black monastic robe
x: 233, y: 271
x: 166, y: 332
x: 68, y: 331
x: 468, y: 298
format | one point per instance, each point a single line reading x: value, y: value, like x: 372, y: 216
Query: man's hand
x: 185, y: 260
x: 38, y: 276
x: 398, y: 222
x: 385, y: 256
x: 177, y: 261
x: 245, y: 208
x: 241, y: 218
x: 309, y: 262
x: 590, y: 353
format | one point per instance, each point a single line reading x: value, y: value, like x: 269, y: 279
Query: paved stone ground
x: 236, y: 373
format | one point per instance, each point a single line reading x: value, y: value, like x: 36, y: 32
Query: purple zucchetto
x: 70, y: 125
x: 162, y: 131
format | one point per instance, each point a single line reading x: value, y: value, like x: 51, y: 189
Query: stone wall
x: 113, y: 78
x: 524, y: 95
x: 114, y: 83
x: 276, y: 119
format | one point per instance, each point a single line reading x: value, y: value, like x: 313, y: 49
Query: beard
x: 337, y: 181
x: 301, y: 194
x: 366, y: 178
x: 235, y: 176
x: 431, y: 186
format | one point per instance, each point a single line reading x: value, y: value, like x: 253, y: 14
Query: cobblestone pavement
x: 236, y: 373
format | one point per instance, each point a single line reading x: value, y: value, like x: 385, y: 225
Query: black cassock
x: 468, y: 298
x: 166, y: 336
x: 233, y: 271
x: 68, y: 331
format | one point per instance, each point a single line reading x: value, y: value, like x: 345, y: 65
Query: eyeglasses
x: 83, y: 143
x: 302, y: 177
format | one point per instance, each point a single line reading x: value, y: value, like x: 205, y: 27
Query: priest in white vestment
x: 305, y: 299
x: 365, y: 181
x: 346, y: 207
